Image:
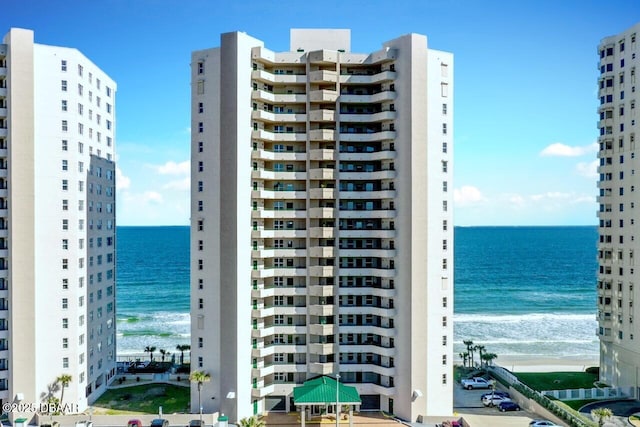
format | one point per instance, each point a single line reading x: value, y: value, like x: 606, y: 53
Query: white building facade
x: 617, y: 247
x: 57, y: 223
x: 322, y: 232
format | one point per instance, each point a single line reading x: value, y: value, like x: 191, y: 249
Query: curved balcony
x: 322, y: 232
x: 323, y: 95
x: 279, y: 233
x: 376, y: 155
x: 278, y: 175
x: 378, y: 292
x: 367, y: 329
x: 364, y: 348
x: 278, y: 253
x: 362, y: 252
x: 278, y: 195
x: 322, y: 213
x: 322, y: 135
x: 368, y: 78
x: 356, y: 195
x: 278, y: 272
x: 267, y: 77
x: 3, y: 112
x: 383, y: 213
x: 279, y: 213
x: 322, y: 252
x: 367, y: 367
x: 278, y: 136
x: 368, y: 137
x: 368, y: 271
x: 323, y: 57
x: 322, y: 154
x: 386, y: 95
x: 322, y: 174
x: 322, y: 116
x: 279, y: 155
x: 262, y: 390
x: 3, y: 91
x: 383, y: 174
x: 368, y: 118
x: 322, y: 270
x: 376, y: 311
x: 322, y: 76
x: 4, y: 132
x: 383, y: 234
x: 267, y: 116
x: 280, y: 98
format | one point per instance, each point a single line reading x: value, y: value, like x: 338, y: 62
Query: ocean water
x: 152, y: 299
x: 526, y: 291
x: 519, y: 291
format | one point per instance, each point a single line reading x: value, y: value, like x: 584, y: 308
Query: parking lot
x: 467, y: 404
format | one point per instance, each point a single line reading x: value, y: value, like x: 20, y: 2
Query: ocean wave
x: 516, y: 318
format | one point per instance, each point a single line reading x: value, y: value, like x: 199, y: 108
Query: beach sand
x: 546, y: 364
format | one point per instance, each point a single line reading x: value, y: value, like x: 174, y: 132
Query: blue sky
x: 525, y: 88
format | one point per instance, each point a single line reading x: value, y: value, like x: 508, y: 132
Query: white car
x: 494, y: 400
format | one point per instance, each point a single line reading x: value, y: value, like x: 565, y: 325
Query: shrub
x: 595, y: 370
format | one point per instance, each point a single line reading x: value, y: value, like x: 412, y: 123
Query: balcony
x: 386, y: 95
x: 299, y: 156
x: 383, y: 234
x: 322, y: 232
x: 323, y: 330
x: 322, y: 213
x: 368, y: 271
x: 365, y: 214
x: 362, y: 252
x: 279, y: 253
x: 278, y: 272
x: 279, y: 136
x: 4, y: 132
x: 3, y: 112
x: 280, y: 98
x: 322, y: 154
x: 3, y: 91
x: 368, y: 118
x: 277, y: 195
x: 367, y: 137
x: 321, y: 368
x: 323, y: 95
x: 264, y: 233
x: 321, y: 349
x: 322, y: 116
x: 268, y: 116
x: 383, y: 76
x: 367, y: 156
x: 262, y: 390
x: 278, y: 175
x: 322, y: 252
x: 322, y: 174
x: 368, y: 367
x: 375, y: 175
x: 279, y: 213
x: 364, y: 348
x: 364, y: 310
x: 267, y: 77
x: 322, y: 270
x: 321, y: 310
x: 356, y: 195
x: 323, y: 76
x: 321, y: 290
x: 368, y: 329
x: 323, y: 57
x: 322, y: 135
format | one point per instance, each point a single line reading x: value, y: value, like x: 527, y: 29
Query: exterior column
x: 303, y: 413
x: 350, y: 415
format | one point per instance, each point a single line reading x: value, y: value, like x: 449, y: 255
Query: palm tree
x: 254, y: 421
x: 602, y: 414
x: 480, y: 349
x: 488, y: 358
x: 470, y: 349
x: 182, y: 348
x: 163, y: 352
x: 150, y: 350
x: 64, y: 381
x: 464, y: 356
x: 199, y: 377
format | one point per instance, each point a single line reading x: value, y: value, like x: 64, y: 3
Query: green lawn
x: 144, y: 399
x: 557, y: 380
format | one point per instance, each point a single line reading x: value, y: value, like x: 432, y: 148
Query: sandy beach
x: 546, y: 364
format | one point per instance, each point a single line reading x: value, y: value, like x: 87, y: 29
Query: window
x: 200, y: 67
x: 65, y: 165
x: 65, y: 362
x: 65, y: 244
x: 200, y: 186
x: 64, y: 105
x: 200, y: 127
x: 444, y: 109
x: 444, y: 340
x: 65, y: 323
x: 444, y: 90
x: 80, y: 89
x: 64, y: 126
x: 200, y: 87
x: 65, y: 342
x: 65, y: 184
x: 63, y: 85
x: 65, y: 224
x: 109, y: 124
x: 200, y: 107
x: 65, y: 303
x: 108, y: 91
x: 200, y: 147
x: 444, y: 147
x: 444, y: 128
x: 63, y: 65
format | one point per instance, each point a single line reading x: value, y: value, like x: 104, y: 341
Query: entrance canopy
x: 322, y: 391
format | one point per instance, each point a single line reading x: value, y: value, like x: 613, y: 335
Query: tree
x: 254, y: 421
x: 601, y: 414
x: 182, y: 348
x: 150, y: 350
x: 480, y: 349
x: 199, y: 377
x: 163, y: 353
x: 64, y: 381
x: 469, y: 345
x: 488, y: 358
x: 465, y: 357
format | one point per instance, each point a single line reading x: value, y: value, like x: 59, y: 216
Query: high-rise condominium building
x: 322, y: 235
x: 619, y: 202
x: 57, y: 222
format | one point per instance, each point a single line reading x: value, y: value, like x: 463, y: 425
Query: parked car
x: 542, y: 423
x: 477, y: 382
x: 160, y: 422
x: 196, y: 423
x: 134, y: 423
x: 494, y: 400
x: 508, y: 405
x: 495, y: 393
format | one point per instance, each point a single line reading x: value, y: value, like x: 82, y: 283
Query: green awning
x: 322, y: 390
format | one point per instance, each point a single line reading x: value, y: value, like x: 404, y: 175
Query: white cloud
x: 122, y: 182
x: 173, y: 168
x: 180, y: 184
x: 467, y: 195
x: 152, y: 196
x: 559, y: 149
x: 588, y: 170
